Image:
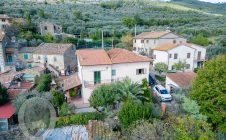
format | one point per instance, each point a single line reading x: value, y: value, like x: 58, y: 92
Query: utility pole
x: 135, y: 34
x: 102, y: 39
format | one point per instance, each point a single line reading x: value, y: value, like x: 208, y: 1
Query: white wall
x: 160, y: 56
x: 169, y: 81
x: 153, y: 43
x: 182, y: 56
x: 86, y: 73
x: 50, y: 59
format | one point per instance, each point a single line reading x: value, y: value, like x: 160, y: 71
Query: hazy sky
x: 213, y: 1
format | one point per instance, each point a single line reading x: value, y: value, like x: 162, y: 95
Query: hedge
x: 79, y: 119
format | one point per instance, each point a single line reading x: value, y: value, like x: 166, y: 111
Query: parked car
x: 161, y: 92
x: 151, y: 80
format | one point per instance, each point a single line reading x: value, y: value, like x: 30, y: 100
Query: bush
x: 57, y: 98
x: 72, y: 93
x: 3, y: 95
x: 79, y: 119
x: 64, y: 110
x: 43, y: 84
x: 132, y: 111
x: 104, y: 96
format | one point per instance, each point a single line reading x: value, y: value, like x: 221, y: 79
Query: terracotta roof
x: 23, y: 85
x: 152, y: 34
x: 27, y: 49
x: 6, y: 111
x: 52, y: 48
x: 118, y: 55
x: 14, y: 92
x: 89, y: 57
x: 169, y: 46
x: 72, y: 82
x: 183, y: 79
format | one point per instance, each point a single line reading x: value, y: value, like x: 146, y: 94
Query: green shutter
x: 25, y: 56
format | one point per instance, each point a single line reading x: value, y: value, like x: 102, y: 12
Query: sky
x: 213, y: 1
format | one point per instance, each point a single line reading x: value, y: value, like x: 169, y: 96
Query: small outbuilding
x: 179, y: 80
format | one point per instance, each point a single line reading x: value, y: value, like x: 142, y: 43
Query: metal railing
x: 91, y: 84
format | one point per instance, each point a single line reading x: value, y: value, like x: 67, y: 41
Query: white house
x: 97, y: 67
x: 146, y: 41
x: 179, y: 80
x: 59, y: 56
x: 170, y: 54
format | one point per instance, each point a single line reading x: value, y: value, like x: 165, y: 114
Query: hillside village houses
x: 97, y: 67
x: 48, y: 27
x: 169, y: 48
x: 146, y: 41
x: 170, y: 54
x: 5, y: 21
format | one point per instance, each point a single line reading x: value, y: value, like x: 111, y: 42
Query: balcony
x: 93, y: 84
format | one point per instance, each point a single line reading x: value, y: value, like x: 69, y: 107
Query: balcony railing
x: 93, y: 84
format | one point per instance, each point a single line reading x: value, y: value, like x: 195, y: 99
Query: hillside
x: 183, y: 16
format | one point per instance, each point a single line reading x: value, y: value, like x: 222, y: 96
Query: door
x: 199, y: 55
x: 97, y: 77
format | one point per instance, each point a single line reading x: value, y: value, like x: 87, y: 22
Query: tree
x: 161, y: 67
x: 145, y: 91
x: 200, y: 40
x: 179, y: 66
x: 44, y: 83
x: 48, y: 38
x: 132, y: 111
x: 127, y: 41
x: 64, y: 110
x: 156, y: 130
x: 208, y: 89
x: 128, y: 89
x: 129, y: 22
x: 187, y: 128
x: 57, y: 98
x: 104, y: 96
x: 4, y: 97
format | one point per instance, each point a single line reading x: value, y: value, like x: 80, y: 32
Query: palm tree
x: 129, y: 89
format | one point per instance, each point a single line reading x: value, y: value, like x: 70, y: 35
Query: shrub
x: 72, y: 93
x: 3, y: 95
x: 64, y: 110
x: 57, y: 98
x: 44, y: 83
x: 132, y: 111
x: 79, y: 119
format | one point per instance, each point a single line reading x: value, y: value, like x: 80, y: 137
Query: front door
x: 97, y: 77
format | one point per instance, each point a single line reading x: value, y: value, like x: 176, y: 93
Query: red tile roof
x: 152, y: 35
x: 169, y: 46
x: 52, y: 48
x: 6, y: 111
x: 23, y: 85
x: 90, y: 57
x: 14, y: 92
x: 72, y: 82
x: 183, y: 79
x: 118, y: 55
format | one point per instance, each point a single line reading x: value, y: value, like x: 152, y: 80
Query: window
x: 57, y: 67
x: 154, y: 41
x: 135, y: 40
x: 45, y: 27
x: 113, y: 72
x: 54, y: 27
x: 188, y: 55
x: 142, y: 41
x: 170, y: 55
x: 3, y: 20
x: 134, y: 48
x: 55, y: 59
x: 187, y: 66
x: 147, y: 41
x: 39, y: 57
x: 25, y: 56
x: 174, y: 41
x: 175, y: 56
x: 199, y: 55
x: 140, y: 71
x: 97, y: 77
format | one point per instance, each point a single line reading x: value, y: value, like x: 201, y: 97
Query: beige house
x: 5, y: 21
x: 60, y: 57
x: 26, y: 56
x: 47, y: 27
x: 146, y: 41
